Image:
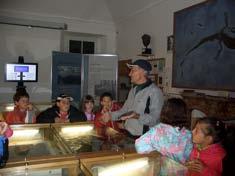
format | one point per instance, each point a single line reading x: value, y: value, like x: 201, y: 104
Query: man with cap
x: 143, y: 106
x: 61, y: 112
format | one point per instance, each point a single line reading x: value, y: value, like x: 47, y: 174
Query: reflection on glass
x: 9, y: 108
x: 31, y: 141
x: 136, y: 165
x: 171, y: 167
x: 76, y: 130
x: 126, y: 168
x: 83, y: 138
x: 25, y: 133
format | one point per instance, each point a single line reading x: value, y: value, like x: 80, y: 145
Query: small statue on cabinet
x: 146, y: 41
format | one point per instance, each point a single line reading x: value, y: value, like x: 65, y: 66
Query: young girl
x: 87, y: 107
x: 169, y: 137
x: 207, y: 154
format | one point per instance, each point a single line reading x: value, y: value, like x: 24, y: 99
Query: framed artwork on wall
x: 204, y: 46
x: 154, y: 78
x: 170, y: 43
x: 157, y: 73
x: 158, y: 65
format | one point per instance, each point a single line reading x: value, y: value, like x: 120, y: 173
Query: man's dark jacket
x: 49, y: 115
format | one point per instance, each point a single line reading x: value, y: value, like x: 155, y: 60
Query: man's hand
x: 121, y: 125
x: 133, y: 115
x: 106, y: 117
x: 195, y: 165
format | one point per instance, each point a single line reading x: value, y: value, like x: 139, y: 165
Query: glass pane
x: 135, y: 164
x: 31, y: 140
x: 83, y: 138
x: 137, y: 167
x: 49, y: 172
x: 88, y: 47
x: 75, y: 46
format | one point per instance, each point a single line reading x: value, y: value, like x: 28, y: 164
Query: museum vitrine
x: 35, y: 149
x: 129, y: 163
x: 82, y: 137
x: 54, y: 149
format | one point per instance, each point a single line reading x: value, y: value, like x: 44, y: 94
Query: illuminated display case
x: 54, y: 149
x: 36, y: 149
x: 83, y: 138
x: 129, y: 163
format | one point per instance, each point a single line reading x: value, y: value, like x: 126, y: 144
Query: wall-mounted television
x: 26, y: 72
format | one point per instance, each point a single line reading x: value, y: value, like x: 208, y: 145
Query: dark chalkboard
x: 204, y: 46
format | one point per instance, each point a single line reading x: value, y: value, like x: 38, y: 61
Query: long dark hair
x: 174, y: 112
x: 214, y: 128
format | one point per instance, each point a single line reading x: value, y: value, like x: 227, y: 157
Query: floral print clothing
x: 170, y: 141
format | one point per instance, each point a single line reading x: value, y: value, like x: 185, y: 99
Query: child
x: 207, y: 154
x: 5, y: 133
x: 87, y: 107
x: 23, y: 110
x: 107, y: 105
x: 169, y: 137
x: 61, y: 112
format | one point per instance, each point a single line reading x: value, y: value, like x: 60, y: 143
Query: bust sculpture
x: 146, y: 41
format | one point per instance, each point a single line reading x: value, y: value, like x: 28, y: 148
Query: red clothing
x: 100, y: 125
x: 212, y: 157
x: 16, y: 116
x: 9, y: 132
x: 63, y: 116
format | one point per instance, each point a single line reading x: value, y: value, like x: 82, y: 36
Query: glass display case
x: 82, y: 138
x: 126, y: 164
x: 35, y: 149
x: 54, y: 149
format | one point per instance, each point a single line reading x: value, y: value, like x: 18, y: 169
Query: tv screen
x: 27, y: 72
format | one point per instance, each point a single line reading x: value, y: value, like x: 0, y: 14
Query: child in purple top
x: 169, y: 137
x: 87, y: 107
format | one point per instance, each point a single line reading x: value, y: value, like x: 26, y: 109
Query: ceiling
x: 122, y: 9
x: 97, y: 10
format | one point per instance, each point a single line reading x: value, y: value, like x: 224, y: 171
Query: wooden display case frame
x: 87, y: 160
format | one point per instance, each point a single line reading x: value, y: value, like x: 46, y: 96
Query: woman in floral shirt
x: 170, y: 137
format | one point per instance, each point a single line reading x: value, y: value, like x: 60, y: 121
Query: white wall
x: 156, y: 20
x: 36, y: 45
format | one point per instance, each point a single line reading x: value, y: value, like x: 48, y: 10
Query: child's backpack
x: 4, y: 153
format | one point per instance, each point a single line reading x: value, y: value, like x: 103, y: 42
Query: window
x: 82, y: 47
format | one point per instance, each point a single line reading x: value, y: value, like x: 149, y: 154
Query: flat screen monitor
x: 26, y: 72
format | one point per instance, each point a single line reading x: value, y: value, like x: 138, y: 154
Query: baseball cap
x: 62, y: 96
x: 144, y: 64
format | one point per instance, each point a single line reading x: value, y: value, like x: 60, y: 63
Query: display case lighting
x: 9, y: 108
x: 77, y: 129
x: 124, y: 168
x: 25, y: 133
